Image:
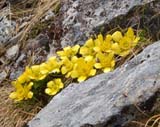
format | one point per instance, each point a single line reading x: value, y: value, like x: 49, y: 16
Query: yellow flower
x: 88, y: 48
x: 116, y: 48
x: 23, y: 78
x: 54, y: 86
x: 22, y: 91
x: 117, y: 36
x: 103, y: 45
x: 51, y: 66
x: 68, y: 52
x: 83, y: 68
x: 34, y: 72
x: 67, y: 66
x: 123, y: 45
x: 130, y: 35
x: 106, y: 61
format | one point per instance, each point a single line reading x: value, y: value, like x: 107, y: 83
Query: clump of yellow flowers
x: 74, y: 62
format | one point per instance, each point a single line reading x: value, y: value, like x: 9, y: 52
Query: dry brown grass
x: 42, y: 8
x: 38, y: 12
x: 154, y: 120
x: 12, y: 114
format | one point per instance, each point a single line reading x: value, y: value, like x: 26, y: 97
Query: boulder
x: 81, y: 16
x: 106, y: 100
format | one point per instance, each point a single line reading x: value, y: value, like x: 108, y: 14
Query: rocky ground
x: 32, y: 30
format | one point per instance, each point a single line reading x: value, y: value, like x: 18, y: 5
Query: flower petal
x: 106, y: 69
x: 76, y: 48
x: 74, y: 74
x: 96, y: 49
x: 89, y: 43
x: 83, y: 50
x: 81, y: 78
x: 115, y: 48
x: 48, y: 91
x: 124, y: 53
x: 117, y: 36
x: 30, y: 95
x: 61, y: 85
x: 88, y: 58
x: 50, y: 84
x: 112, y: 63
x: 135, y: 41
x: 64, y: 70
x: 130, y: 33
x: 13, y: 95
x: 92, y: 72
x: 98, y: 65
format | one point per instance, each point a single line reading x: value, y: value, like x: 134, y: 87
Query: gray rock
x: 50, y: 14
x: 41, y: 40
x: 3, y: 75
x: 7, y: 27
x: 81, y: 16
x: 106, y: 100
x: 12, y: 52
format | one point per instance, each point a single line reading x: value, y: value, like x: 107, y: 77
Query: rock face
x: 7, y: 28
x: 106, y: 100
x: 81, y: 17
